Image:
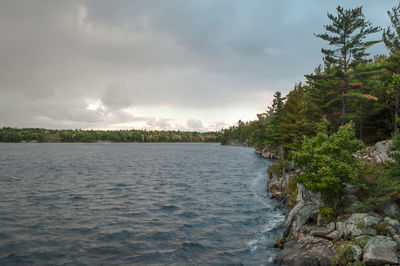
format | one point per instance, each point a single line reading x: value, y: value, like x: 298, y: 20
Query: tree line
x: 8, y: 134
x: 349, y: 85
x: 350, y: 100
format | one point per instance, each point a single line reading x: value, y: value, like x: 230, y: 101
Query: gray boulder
x: 357, y: 252
x: 371, y: 220
x: 380, y: 250
x: 393, y: 223
x: 308, y: 251
x: 356, y: 225
x: 391, y: 210
x: 334, y: 235
x: 320, y: 231
x: 298, y: 217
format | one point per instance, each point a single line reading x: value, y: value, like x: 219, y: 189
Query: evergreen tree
x: 347, y: 35
x: 391, y: 38
x: 296, y: 121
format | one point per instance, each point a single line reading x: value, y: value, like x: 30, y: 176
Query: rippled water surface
x: 123, y: 204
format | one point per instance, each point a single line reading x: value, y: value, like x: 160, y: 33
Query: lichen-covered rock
x: 356, y: 226
x: 334, y: 235
x: 377, y: 153
x: 393, y: 223
x: 391, y: 210
x: 308, y: 251
x: 267, y: 154
x: 357, y: 252
x: 380, y: 250
x: 298, y: 217
x: 371, y: 220
x: 320, y: 231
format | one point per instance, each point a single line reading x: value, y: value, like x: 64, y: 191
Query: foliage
x: 327, y: 213
x: 296, y: 122
x: 379, y: 184
x: 292, y: 192
x: 277, y: 168
x: 348, y: 85
x: 344, y: 255
x: 327, y: 162
x: 382, y: 229
x: 47, y: 135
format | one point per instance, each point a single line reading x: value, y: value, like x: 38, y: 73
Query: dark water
x: 123, y: 204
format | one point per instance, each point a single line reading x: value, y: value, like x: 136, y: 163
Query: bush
x: 327, y: 162
x: 382, y: 229
x: 344, y: 256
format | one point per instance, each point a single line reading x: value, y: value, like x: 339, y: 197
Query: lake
x: 135, y: 203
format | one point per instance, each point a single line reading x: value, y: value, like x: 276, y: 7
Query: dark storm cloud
x: 58, y: 59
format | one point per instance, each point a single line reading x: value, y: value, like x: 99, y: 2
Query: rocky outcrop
x: 277, y: 185
x: 246, y: 143
x: 372, y: 239
x: 380, y: 250
x: 378, y: 153
x: 306, y: 210
x: 268, y: 154
x: 391, y: 210
x: 307, y: 251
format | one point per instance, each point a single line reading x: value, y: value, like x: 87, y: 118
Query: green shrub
x: 327, y: 162
x: 382, y: 229
x: 344, y: 256
x: 327, y: 214
x: 276, y: 168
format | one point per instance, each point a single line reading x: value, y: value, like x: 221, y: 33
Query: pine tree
x: 346, y: 35
x: 392, y: 42
x: 297, y: 119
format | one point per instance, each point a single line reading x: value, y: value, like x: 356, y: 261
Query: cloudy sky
x: 157, y: 64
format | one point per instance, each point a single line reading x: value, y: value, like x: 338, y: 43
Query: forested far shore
x: 8, y: 134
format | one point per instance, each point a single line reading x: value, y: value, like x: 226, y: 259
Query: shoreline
x: 308, y: 239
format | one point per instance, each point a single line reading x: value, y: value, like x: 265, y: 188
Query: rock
x: 382, y: 151
x: 356, y: 250
x: 355, y: 225
x: 396, y: 238
x: 306, y: 195
x: 334, y: 235
x: 267, y: 154
x: 380, y: 250
x: 371, y: 220
x: 391, y: 210
x: 298, y: 217
x: 363, y: 240
x: 393, y: 223
x: 377, y: 153
x: 320, y: 231
x: 308, y: 251
x: 350, y: 189
x: 331, y: 227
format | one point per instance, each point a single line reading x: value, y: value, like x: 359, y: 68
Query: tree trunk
x: 396, y: 108
x: 344, y: 103
x: 361, y: 120
x: 282, y: 162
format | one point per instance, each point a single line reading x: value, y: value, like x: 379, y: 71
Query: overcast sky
x: 167, y: 64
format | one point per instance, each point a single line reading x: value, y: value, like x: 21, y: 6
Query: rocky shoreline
x: 355, y: 238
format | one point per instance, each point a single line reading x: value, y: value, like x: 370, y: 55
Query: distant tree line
x: 8, y: 134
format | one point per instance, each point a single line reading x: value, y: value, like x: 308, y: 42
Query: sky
x: 157, y: 64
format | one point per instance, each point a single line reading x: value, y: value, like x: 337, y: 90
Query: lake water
x: 140, y: 204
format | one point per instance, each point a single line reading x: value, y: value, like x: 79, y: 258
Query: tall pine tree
x: 347, y: 36
x: 391, y: 38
